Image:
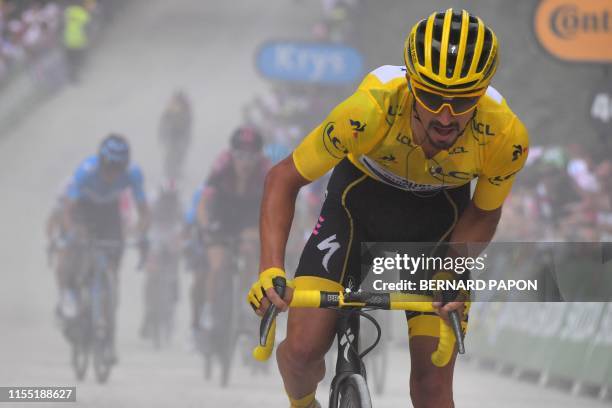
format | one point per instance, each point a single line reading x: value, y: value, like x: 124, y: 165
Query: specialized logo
x: 332, y: 143
x: 329, y: 245
x: 345, y: 341
x: 517, y: 152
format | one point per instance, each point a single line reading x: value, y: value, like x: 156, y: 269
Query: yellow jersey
x: 372, y: 129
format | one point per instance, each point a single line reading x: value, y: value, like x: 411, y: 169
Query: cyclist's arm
x: 202, y: 207
x: 477, y: 224
x: 137, y: 188
x: 144, y: 217
x: 281, y: 187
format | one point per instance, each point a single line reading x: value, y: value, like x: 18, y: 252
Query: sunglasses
x: 434, y: 102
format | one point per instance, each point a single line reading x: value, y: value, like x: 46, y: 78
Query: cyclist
x: 175, y: 132
x: 404, y: 149
x: 57, y: 252
x: 163, y: 257
x: 92, y: 210
x: 228, y: 210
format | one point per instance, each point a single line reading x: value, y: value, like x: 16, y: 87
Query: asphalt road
x: 154, y: 46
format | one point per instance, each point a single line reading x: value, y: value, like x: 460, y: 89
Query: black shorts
x: 359, y: 209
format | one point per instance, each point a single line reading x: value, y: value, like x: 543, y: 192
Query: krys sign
x: 575, y: 30
x: 310, y: 62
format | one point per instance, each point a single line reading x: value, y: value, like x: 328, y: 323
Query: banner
x: 573, y: 30
x: 310, y: 62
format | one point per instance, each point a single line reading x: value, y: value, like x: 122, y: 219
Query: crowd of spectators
x: 564, y: 193
x: 32, y: 36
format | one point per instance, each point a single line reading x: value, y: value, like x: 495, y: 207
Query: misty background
x: 146, y: 49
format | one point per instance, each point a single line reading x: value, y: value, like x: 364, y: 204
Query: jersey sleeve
x: 137, y: 184
x: 343, y: 132
x: 499, y: 169
x: 75, y: 188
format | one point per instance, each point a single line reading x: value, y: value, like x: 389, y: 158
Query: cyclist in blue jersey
x: 92, y: 209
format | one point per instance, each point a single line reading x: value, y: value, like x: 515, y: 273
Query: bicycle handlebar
x: 387, y: 301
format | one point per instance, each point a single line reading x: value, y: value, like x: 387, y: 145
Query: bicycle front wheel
x: 354, y: 393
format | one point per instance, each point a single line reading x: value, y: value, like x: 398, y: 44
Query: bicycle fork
x: 348, y: 361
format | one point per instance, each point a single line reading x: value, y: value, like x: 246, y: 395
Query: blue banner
x: 310, y: 62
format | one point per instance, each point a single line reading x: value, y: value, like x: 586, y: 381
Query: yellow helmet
x: 451, y: 52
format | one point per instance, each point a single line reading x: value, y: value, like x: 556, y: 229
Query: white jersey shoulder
x: 494, y: 94
x: 388, y: 73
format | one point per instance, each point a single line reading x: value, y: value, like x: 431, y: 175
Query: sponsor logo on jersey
x: 482, y: 128
x: 392, y: 112
x: 357, y: 126
x: 387, y: 177
x: 517, y: 152
x: 389, y: 158
x: 498, y: 180
x: 332, y: 143
x: 405, y: 140
x: 330, y: 245
x: 457, y: 150
x: 438, y: 173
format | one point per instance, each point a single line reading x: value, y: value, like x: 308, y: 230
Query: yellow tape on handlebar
x: 446, y: 346
x: 306, y: 298
x: 262, y: 353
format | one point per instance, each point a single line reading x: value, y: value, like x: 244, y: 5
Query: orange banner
x: 576, y: 30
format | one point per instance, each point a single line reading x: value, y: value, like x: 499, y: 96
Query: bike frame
x: 348, y: 360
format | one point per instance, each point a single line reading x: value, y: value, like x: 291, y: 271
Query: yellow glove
x: 258, y: 289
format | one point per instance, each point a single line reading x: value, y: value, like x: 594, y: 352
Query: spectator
x: 76, y: 41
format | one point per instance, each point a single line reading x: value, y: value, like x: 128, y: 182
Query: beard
x: 442, y: 144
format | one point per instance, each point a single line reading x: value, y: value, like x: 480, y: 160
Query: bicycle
x: 90, y: 331
x: 161, y: 293
x: 349, y: 387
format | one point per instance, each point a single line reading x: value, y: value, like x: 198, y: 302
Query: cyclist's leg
x: 432, y: 386
x: 197, y: 295
x: 217, y: 255
x: 331, y: 252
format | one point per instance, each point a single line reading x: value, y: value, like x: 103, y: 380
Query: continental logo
x: 332, y: 143
x: 575, y: 30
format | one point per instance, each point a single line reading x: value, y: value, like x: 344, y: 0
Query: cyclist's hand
x: 443, y: 305
x: 443, y: 309
x: 262, y: 292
